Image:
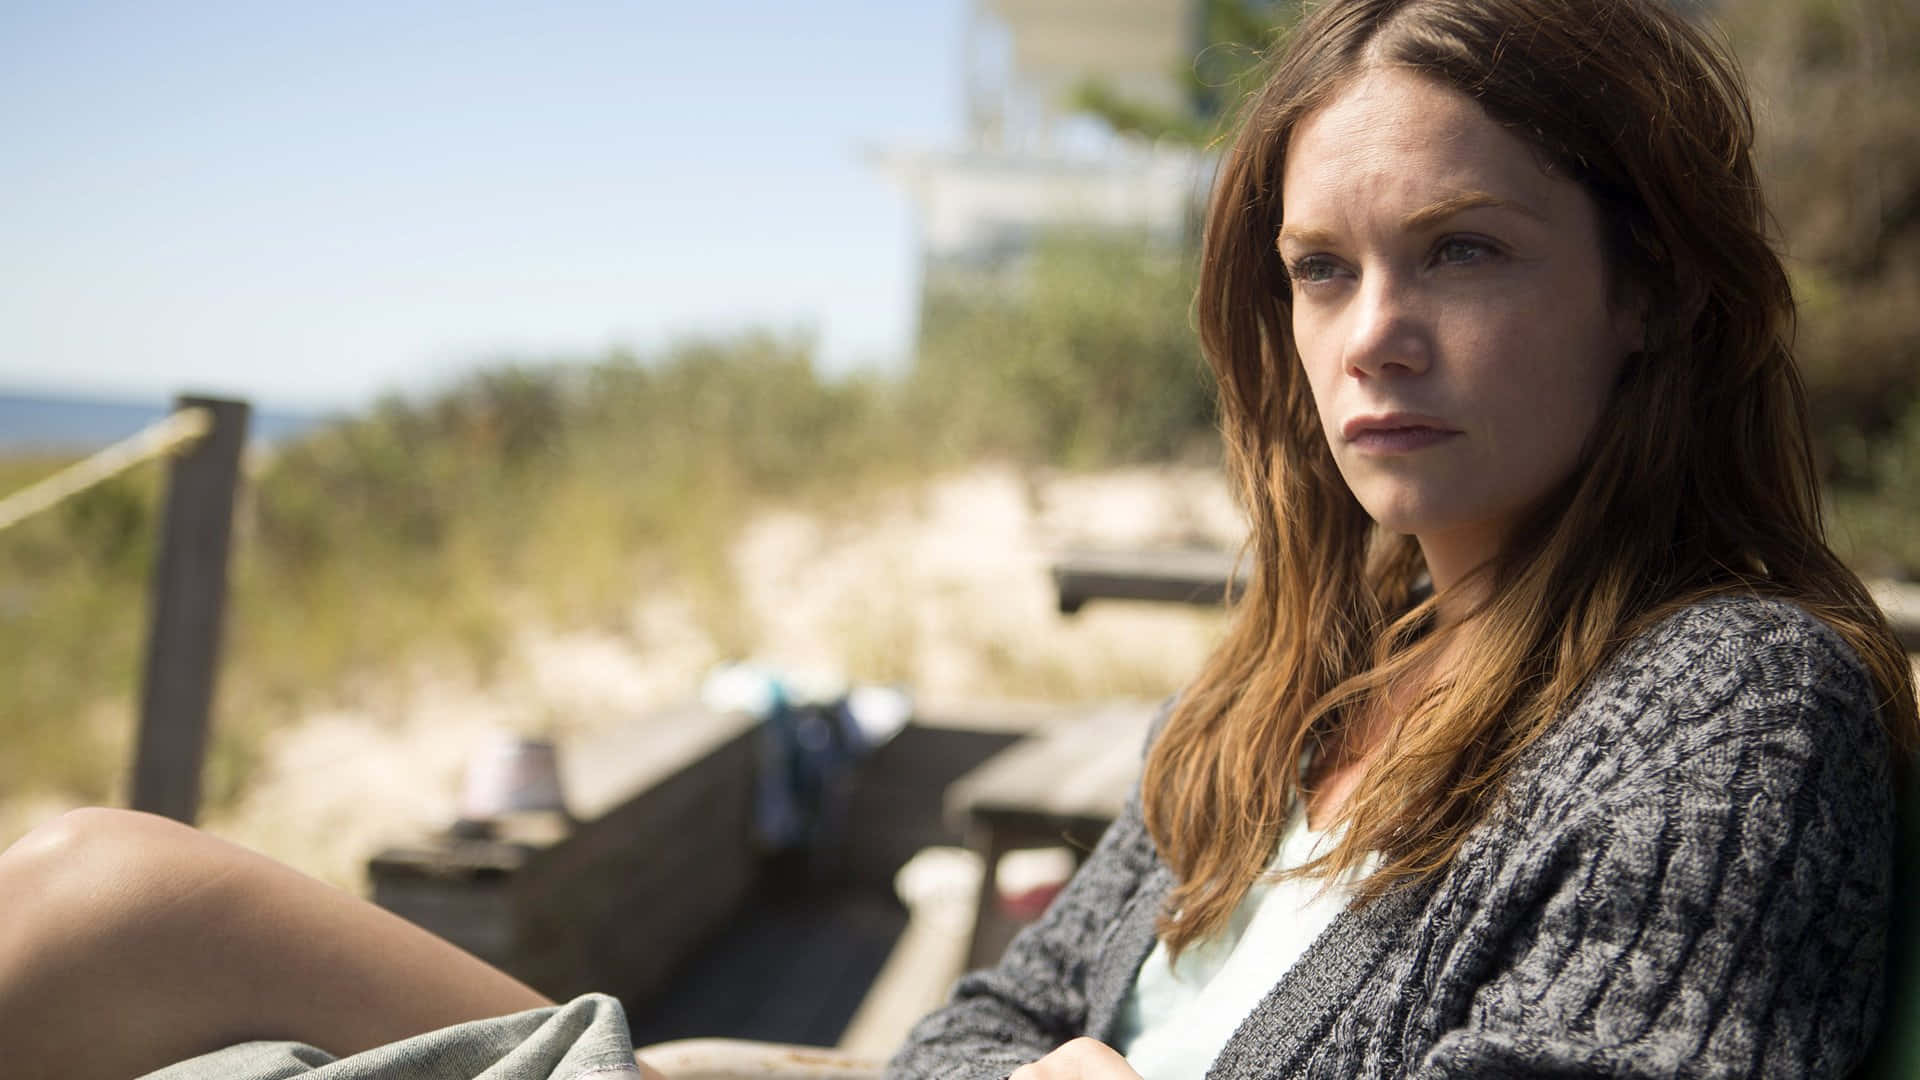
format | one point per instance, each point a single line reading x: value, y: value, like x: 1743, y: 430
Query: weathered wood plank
x: 1200, y: 577
x: 1076, y: 772
x: 189, y: 598
x: 1060, y: 786
x: 1196, y: 576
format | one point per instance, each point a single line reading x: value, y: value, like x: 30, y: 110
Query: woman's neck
x: 1452, y: 557
x: 1342, y: 762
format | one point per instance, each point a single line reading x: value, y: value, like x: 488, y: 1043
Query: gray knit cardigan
x: 1688, y: 875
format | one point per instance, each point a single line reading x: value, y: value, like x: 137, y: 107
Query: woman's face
x: 1451, y: 310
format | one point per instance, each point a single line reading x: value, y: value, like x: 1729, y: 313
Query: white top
x: 1177, y: 1017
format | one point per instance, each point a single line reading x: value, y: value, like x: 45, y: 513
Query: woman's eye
x: 1461, y: 249
x: 1311, y: 269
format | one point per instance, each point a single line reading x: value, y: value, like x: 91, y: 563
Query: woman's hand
x: 1081, y: 1059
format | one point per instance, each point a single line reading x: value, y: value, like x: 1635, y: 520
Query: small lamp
x: 512, y: 785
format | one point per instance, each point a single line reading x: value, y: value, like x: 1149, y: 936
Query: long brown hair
x: 1697, y: 480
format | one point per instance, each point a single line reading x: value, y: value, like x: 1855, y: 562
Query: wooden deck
x: 661, y: 896
x: 791, y: 967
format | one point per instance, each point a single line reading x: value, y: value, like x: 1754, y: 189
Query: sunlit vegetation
x: 428, y: 528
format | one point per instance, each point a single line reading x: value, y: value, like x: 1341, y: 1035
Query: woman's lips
x: 1399, y: 440
x: 1396, y: 432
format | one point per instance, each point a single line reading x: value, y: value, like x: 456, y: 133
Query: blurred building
x: 1028, y: 164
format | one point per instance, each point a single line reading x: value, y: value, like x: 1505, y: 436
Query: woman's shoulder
x: 1731, y: 691
x: 1751, y: 636
x: 1725, y: 658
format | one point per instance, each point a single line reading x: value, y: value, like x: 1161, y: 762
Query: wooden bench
x: 1064, y: 785
x: 1199, y: 576
x: 663, y: 862
x: 1195, y: 576
x: 661, y: 859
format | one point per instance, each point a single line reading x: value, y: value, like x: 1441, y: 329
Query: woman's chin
x: 1411, y: 519
x: 1449, y: 525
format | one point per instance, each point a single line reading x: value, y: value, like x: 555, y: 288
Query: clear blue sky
x: 309, y: 204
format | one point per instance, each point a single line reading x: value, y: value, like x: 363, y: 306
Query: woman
x: 1572, y: 737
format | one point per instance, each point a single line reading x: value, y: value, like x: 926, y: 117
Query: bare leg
x: 128, y: 941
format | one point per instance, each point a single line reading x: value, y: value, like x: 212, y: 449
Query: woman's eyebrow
x: 1424, y: 218
x: 1303, y: 236
x: 1428, y: 216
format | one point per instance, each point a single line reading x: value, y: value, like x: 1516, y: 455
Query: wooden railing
x: 202, y: 439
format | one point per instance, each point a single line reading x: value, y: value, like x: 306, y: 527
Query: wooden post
x: 189, y: 594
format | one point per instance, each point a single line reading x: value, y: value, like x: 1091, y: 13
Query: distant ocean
x: 55, y: 423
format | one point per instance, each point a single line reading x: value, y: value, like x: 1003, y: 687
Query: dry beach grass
x: 942, y: 588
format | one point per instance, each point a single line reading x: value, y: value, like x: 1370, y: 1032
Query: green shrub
x: 1092, y: 361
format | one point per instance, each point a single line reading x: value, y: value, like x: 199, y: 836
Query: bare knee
x: 89, y: 853
x: 88, y: 825
x: 51, y: 854
x: 85, y: 899
x: 78, y: 883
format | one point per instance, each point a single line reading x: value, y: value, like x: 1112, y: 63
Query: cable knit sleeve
x: 1036, y: 998
x: 1710, y: 901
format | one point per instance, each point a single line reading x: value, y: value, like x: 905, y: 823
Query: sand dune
x: 944, y: 590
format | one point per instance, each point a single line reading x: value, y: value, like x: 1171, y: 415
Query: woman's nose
x: 1388, y: 334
